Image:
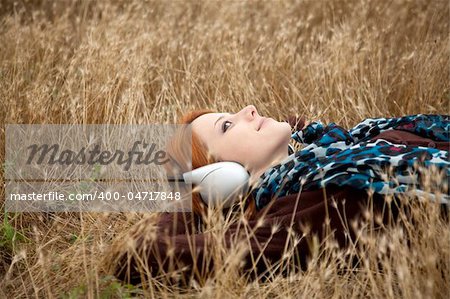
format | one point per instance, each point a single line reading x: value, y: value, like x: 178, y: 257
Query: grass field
x: 137, y: 62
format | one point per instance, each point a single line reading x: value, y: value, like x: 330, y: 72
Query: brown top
x: 307, y: 209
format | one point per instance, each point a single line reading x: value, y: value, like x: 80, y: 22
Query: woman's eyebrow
x: 220, y: 117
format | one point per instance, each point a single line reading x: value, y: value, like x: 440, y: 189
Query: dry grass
x: 126, y: 62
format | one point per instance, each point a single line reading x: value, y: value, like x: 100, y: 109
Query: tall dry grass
x: 136, y: 62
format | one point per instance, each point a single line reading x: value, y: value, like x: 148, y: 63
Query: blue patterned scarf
x: 335, y: 156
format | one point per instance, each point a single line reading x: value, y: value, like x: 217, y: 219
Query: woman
x: 294, y: 188
x: 258, y: 143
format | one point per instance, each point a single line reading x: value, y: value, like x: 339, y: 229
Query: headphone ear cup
x: 220, y: 183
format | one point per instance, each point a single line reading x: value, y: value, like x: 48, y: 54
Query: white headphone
x: 219, y: 182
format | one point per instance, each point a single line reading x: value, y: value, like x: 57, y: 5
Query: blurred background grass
x: 138, y: 62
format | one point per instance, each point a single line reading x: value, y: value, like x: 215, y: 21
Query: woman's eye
x: 224, y: 127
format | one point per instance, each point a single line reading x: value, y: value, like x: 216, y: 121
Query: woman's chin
x: 280, y: 125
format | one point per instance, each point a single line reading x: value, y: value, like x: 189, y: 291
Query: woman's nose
x: 249, y: 112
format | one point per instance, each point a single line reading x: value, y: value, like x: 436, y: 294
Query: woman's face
x: 244, y: 137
